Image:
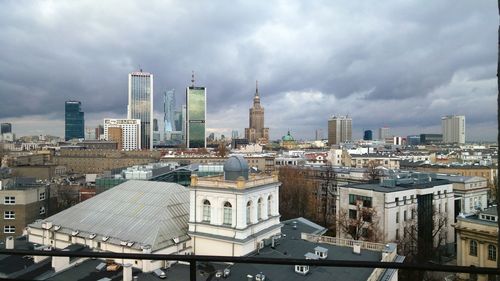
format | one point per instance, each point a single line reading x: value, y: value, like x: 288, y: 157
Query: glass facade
x: 196, y: 115
x: 6, y: 128
x: 74, y: 121
x: 140, y: 104
x: 169, y: 112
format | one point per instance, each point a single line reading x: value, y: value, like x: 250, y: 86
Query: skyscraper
x: 140, y: 104
x: 453, y: 128
x: 256, y: 131
x: 6, y: 128
x: 383, y: 133
x: 74, y: 121
x: 169, y: 113
x: 196, y: 107
x: 339, y: 129
x: 368, y: 135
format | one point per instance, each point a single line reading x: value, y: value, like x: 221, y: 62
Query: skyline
x: 434, y: 63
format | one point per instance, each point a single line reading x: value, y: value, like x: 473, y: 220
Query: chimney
x: 127, y: 272
x: 9, y: 243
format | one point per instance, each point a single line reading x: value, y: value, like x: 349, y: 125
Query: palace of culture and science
x: 256, y: 133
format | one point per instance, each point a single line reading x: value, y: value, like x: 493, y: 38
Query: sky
x: 398, y: 63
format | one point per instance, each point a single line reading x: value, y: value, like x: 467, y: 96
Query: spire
x: 256, y: 88
x: 192, y: 79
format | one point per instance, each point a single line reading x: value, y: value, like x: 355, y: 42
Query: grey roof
x: 143, y: 212
x: 490, y: 211
x: 400, y: 187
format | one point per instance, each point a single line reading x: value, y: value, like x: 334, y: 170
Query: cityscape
x: 263, y: 154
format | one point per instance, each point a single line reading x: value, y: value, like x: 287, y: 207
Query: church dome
x: 234, y: 167
x: 287, y: 137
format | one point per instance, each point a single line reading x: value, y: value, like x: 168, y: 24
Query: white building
x: 396, y: 203
x: 471, y: 192
x: 233, y: 215
x: 453, y: 128
x: 130, y: 132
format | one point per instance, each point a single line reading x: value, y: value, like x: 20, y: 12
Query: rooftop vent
x: 321, y: 252
x: 123, y: 243
x: 260, y: 277
x: 57, y: 227
x: 356, y: 248
x: 105, y: 238
x: 176, y: 240
x: 92, y: 236
x: 130, y: 244
x: 75, y: 232
x: 47, y: 225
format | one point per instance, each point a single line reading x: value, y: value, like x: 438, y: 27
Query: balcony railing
x: 194, y: 259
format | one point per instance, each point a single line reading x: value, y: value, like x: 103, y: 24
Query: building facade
x: 383, y: 133
x: 23, y: 201
x: 74, y: 121
x: 453, y: 128
x: 126, y: 132
x: 339, y: 129
x: 256, y: 132
x: 169, y: 114
x: 477, y: 242
x: 5, y: 128
x: 140, y: 105
x: 196, y: 108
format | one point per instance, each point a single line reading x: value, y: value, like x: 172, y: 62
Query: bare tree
x: 372, y: 173
x: 326, y: 195
x: 222, y: 149
x: 360, y: 223
x: 295, y: 193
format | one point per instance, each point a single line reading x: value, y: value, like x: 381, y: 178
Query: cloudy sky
x: 401, y: 64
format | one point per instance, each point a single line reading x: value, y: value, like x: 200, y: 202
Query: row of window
x: 365, y: 200
x: 11, y: 200
x: 228, y: 211
x: 405, y: 215
x: 11, y: 215
x: 492, y: 250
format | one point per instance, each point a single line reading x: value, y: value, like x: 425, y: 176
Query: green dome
x: 288, y: 137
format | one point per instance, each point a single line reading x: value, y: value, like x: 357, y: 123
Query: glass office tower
x: 6, y: 128
x: 74, y: 121
x: 196, y: 107
x: 169, y: 113
x: 140, y: 104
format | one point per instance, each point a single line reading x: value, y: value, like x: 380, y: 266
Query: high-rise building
x: 196, y: 108
x: 339, y: 129
x: 99, y: 132
x: 126, y: 132
x: 319, y: 134
x: 368, y: 135
x: 140, y: 104
x: 169, y: 113
x: 234, y: 134
x: 256, y: 131
x: 383, y: 133
x: 453, y: 128
x: 74, y: 121
x: 6, y: 128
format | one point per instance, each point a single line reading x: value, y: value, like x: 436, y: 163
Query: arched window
x: 206, y: 211
x: 228, y: 214
x: 249, y: 212
x: 259, y: 209
x: 269, y: 200
x: 473, y: 248
x: 492, y: 252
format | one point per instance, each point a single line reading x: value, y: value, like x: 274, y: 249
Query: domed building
x: 233, y: 214
x: 288, y: 142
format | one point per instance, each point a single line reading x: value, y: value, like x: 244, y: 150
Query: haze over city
x: 397, y: 63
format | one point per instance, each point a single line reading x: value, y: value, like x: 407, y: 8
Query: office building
x: 431, y: 138
x: 368, y: 135
x: 453, y: 128
x: 74, y: 121
x: 126, y: 132
x: 413, y: 140
x: 256, y: 133
x: 99, y: 132
x: 5, y: 128
x: 383, y: 133
x: 196, y: 107
x: 339, y: 129
x: 169, y: 114
x: 140, y: 104
x: 319, y: 134
x: 234, y: 134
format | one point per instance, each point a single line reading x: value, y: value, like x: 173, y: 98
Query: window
x: 249, y: 212
x: 404, y: 200
x: 228, y: 214
x: 9, y: 200
x: 206, y: 211
x: 259, y: 209
x: 404, y: 215
x: 397, y: 217
x: 269, y: 206
x: 397, y: 234
x: 353, y: 214
x: 413, y: 214
x: 42, y: 196
x: 356, y: 199
x: 492, y: 252
x: 9, y: 229
x: 9, y: 215
x: 42, y: 210
x: 397, y: 200
x: 473, y: 248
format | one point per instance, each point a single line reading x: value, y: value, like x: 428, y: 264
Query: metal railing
x: 194, y: 259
